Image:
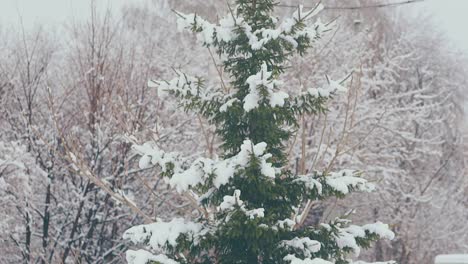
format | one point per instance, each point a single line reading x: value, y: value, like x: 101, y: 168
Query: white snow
x: 294, y: 260
x: 263, y: 80
x: 152, y: 84
x: 187, y: 21
x: 198, y: 171
x: 336, y: 86
x: 380, y: 229
x: 347, y: 236
x: 230, y: 201
x: 145, y: 162
x: 287, y: 224
x: 255, y: 213
x: 304, y: 244
x: 343, y: 180
x: 347, y: 240
x: 228, y: 104
x: 310, y: 182
x: 379, y: 262
x: 278, y: 98
x: 355, y: 230
x: 151, y: 154
x: 287, y: 25
x: 185, y: 85
x: 143, y: 257
x: 225, y: 32
x: 207, y: 33
x: 331, y: 88
x: 223, y: 170
x: 186, y: 176
x: 251, y: 100
x: 160, y: 233
x: 266, y: 167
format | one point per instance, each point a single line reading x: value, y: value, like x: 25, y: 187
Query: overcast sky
x: 452, y: 15
x: 50, y: 11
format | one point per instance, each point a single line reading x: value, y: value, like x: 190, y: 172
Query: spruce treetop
x: 249, y: 201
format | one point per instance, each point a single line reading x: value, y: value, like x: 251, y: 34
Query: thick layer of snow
x: 230, y: 201
x: 158, y: 234
x: 220, y: 171
x: 347, y: 236
x: 207, y: 31
x: 347, y: 240
x: 380, y: 229
x: 310, y: 182
x: 287, y: 224
x: 342, y: 181
x: 256, y: 213
x: 152, y: 155
x: 262, y: 80
x: 304, y: 244
x: 223, y: 170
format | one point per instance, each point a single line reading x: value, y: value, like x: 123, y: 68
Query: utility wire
x: 362, y: 6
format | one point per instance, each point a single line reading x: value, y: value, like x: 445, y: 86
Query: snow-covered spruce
x: 290, y: 32
x: 248, y: 197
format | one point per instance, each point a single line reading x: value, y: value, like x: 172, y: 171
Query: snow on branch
x: 221, y: 171
x: 152, y: 155
x: 347, y: 180
x: 292, y: 32
x: 350, y: 238
x: 313, y: 99
x: 294, y: 260
x: 190, y: 90
x: 233, y: 202
x: 379, y: 262
x: 353, y: 237
x: 182, y: 175
x: 342, y: 182
x: 161, y: 236
x: 305, y: 245
x: 262, y: 84
x: 143, y: 257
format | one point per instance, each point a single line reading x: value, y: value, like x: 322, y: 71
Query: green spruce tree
x: 249, y: 202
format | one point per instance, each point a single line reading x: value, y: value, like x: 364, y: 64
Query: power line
x: 362, y: 6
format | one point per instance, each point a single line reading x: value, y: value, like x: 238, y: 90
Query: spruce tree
x: 250, y: 202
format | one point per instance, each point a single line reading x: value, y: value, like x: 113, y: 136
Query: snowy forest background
x: 75, y: 99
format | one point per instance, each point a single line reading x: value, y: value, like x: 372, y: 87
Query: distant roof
x: 452, y: 259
